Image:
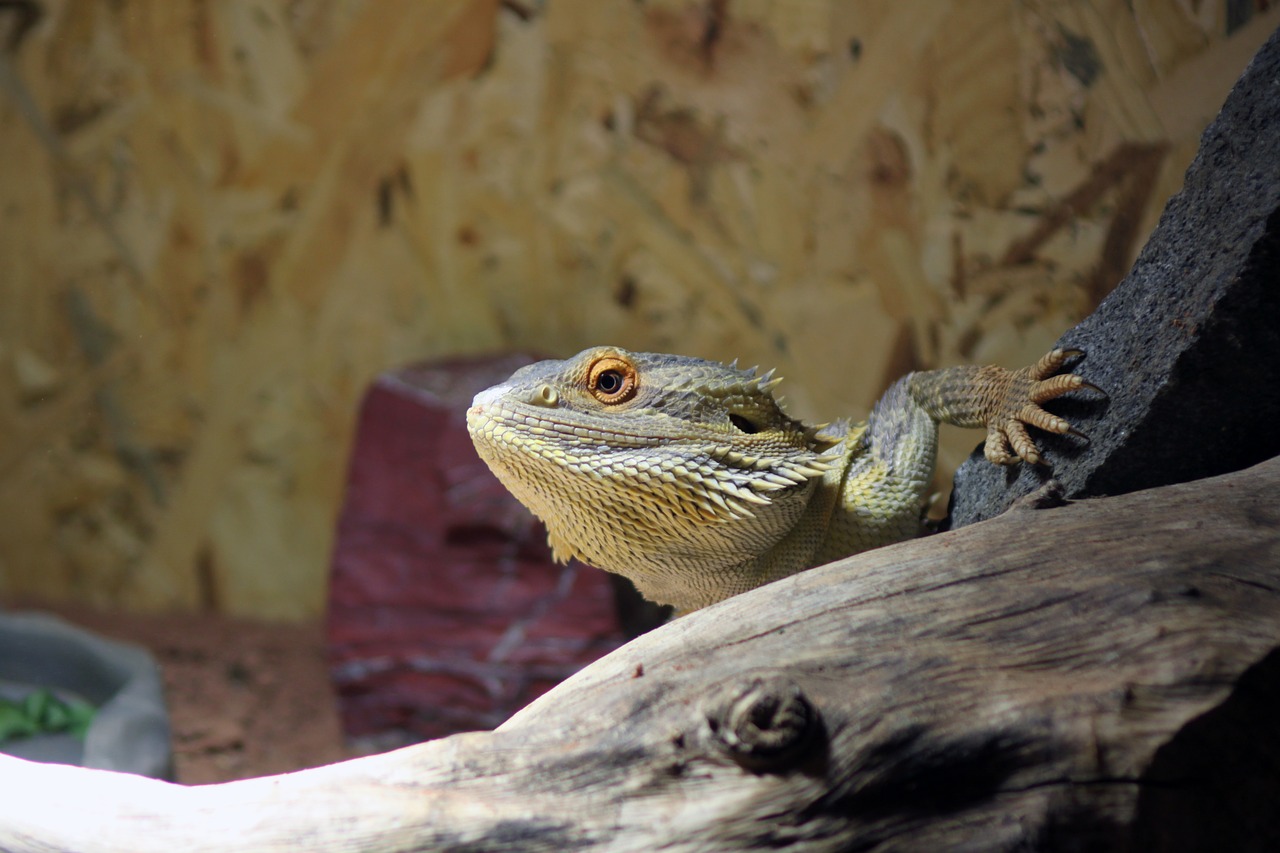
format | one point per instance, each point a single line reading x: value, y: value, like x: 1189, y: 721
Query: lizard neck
x: 820, y: 526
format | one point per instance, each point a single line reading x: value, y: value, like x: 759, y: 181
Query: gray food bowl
x: 130, y: 730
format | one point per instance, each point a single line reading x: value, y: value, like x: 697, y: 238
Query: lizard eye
x: 612, y: 380
x: 609, y: 382
x: 743, y: 424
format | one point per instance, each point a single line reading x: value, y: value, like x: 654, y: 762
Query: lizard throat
x: 661, y: 511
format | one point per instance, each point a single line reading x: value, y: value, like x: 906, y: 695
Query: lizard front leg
x: 891, y: 460
x: 1004, y: 401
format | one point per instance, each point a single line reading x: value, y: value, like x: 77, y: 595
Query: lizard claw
x: 1019, y: 407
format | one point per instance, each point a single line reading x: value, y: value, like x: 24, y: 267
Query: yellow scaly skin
x: 687, y: 477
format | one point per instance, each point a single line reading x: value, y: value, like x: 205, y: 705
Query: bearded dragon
x: 687, y: 476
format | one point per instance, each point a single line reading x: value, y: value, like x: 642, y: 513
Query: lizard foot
x: 1016, y: 404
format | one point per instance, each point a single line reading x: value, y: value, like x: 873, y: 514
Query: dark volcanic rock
x: 446, y: 612
x: 1187, y: 345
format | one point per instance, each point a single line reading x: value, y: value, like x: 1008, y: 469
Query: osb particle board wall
x: 219, y: 220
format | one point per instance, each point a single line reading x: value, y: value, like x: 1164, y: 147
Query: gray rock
x: 1187, y: 345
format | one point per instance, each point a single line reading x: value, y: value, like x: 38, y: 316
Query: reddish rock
x: 446, y: 612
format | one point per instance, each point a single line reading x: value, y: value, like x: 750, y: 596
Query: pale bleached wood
x: 1102, y: 675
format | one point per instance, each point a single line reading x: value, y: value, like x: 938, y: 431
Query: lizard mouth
x: 496, y: 412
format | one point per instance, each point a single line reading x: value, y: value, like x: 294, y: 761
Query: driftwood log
x: 1099, y: 675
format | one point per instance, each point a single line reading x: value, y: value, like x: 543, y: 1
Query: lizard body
x: 688, y: 477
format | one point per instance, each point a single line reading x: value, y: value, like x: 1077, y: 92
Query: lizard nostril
x: 544, y: 395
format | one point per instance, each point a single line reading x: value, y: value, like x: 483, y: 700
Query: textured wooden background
x: 218, y: 221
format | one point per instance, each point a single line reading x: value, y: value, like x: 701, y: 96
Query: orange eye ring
x: 612, y: 380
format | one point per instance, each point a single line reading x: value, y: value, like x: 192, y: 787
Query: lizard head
x: 641, y: 463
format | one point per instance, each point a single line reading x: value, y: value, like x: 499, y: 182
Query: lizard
x: 689, y: 478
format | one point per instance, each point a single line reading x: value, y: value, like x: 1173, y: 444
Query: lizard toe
x: 1022, y: 443
x: 1052, y: 361
x: 996, y: 448
x: 1055, y: 386
x: 1038, y: 417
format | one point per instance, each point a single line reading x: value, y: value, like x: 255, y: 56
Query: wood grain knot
x: 768, y: 724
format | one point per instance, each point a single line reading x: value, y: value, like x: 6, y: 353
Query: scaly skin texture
x: 687, y: 477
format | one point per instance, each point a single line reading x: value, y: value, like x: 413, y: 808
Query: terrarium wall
x: 219, y: 221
